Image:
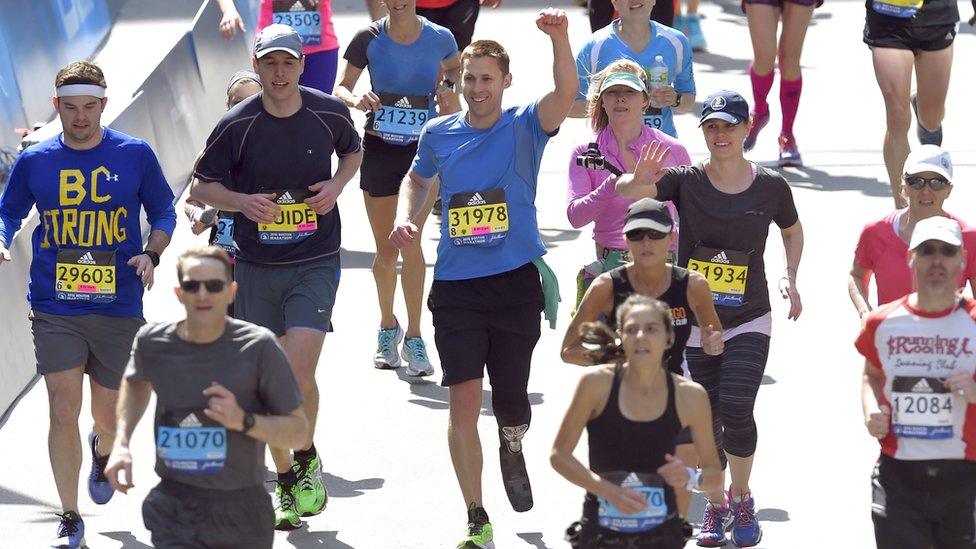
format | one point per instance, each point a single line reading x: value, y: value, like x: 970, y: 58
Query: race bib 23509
x: 301, y: 15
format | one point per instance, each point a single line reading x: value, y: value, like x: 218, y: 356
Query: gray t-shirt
x: 190, y: 447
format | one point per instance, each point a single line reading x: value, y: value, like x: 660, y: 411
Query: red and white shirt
x: 916, y: 351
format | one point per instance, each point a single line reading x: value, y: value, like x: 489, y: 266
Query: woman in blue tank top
x: 633, y: 410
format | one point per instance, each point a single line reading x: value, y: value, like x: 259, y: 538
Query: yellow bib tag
x: 478, y: 218
x: 296, y: 221
x: 726, y: 271
x: 85, y: 275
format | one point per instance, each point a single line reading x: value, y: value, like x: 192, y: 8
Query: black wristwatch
x: 248, y: 422
x: 677, y: 101
x: 153, y: 256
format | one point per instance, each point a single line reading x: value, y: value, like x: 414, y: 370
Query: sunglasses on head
x: 640, y: 234
x: 935, y: 183
x: 945, y: 250
x: 193, y: 286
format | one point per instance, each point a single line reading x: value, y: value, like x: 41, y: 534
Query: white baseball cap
x: 938, y: 228
x: 929, y: 158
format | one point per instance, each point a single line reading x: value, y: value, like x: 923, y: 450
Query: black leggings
x: 732, y: 380
x: 601, y: 13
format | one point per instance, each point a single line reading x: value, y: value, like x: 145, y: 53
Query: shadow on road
x: 10, y: 497
x: 436, y: 397
x: 819, y: 180
x: 534, y: 539
x: 339, y: 487
x: 303, y: 537
x: 127, y: 539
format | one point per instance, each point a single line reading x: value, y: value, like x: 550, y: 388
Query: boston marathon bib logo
x: 72, y: 224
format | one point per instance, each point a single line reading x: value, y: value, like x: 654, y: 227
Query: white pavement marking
x: 382, y: 436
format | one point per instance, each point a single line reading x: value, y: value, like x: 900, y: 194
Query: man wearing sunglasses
x: 223, y: 389
x: 883, y: 246
x: 919, y: 399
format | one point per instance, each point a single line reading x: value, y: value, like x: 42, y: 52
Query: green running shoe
x: 286, y: 517
x: 310, y: 494
x: 479, y: 536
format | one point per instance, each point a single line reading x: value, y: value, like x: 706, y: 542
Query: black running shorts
x: 181, y: 516
x: 384, y: 166
x: 904, y: 37
x: 459, y: 18
x: 924, y: 504
x: 492, y: 322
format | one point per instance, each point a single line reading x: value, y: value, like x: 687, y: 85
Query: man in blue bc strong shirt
x: 88, y: 270
x: 487, y: 295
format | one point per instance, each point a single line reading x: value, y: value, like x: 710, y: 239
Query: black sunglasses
x: 640, y: 234
x: 917, y: 183
x: 946, y: 250
x: 193, y: 286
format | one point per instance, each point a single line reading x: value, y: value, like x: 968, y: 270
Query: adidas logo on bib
x: 476, y: 200
x: 87, y: 259
x: 403, y: 103
x: 720, y: 258
x: 921, y: 387
x: 190, y: 421
x: 286, y: 198
x: 631, y: 481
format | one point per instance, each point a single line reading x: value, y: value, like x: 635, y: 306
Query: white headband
x: 80, y: 89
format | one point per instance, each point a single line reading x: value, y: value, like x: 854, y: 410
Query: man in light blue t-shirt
x: 634, y: 37
x: 487, y: 294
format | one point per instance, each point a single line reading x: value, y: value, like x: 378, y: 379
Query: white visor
x: 69, y: 90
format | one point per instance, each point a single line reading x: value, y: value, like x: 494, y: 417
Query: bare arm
x: 642, y: 183
x: 877, y: 417
x: 414, y: 192
x: 283, y: 431
x: 858, y: 287
x: 132, y: 404
x: 217, y: 195
x: 700, y: 299
x: 793, y: 244
x: 597, y: 300
x: 580, y: 108
x: 448, y: 100
x: 695, y: 413
x: 555, y: 105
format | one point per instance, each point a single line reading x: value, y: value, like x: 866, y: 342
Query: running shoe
x: 759, y: 122
x: 386, y: 357
x: 514, y: 475
x: 286, y: 516
x: 746, y: 531
x: 694, y: 33
x: 99, y: 488
x: 681, y: 23
x: 715, y: 521
x: 789, y: 154
x: 71, y: 532
x: 310, y: 494
x: 480, y: 533
x: 925, y: 137
x: 414, y: 351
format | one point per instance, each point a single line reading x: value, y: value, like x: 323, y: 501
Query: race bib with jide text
x: 726, y: 271
x: 921, y: 408
x: 190, y: 443
x: 296, y: 221
x: 301, y: 15
x: 648, y: 485
x: 400, y: 119
x: 85, y: 275
x: 478, y: 218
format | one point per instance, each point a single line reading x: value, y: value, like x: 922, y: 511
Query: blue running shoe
x: 715, y: 521
x: 387, y: 339
x: 746, y: 531
x: 99, y: 488
x: 696, y: 39
x: 71, y: 532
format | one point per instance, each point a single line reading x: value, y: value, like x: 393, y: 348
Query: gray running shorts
x: 180, y: 516
x: 102, y: 344
x: 280, y: 297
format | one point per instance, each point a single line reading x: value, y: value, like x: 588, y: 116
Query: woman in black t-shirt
x: 725, y: 207
x: 901, y: 37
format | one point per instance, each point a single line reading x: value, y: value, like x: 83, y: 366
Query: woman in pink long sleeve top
x: 616, y: 115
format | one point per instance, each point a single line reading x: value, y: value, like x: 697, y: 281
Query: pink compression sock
x: 789, y: 100
x: 761, y: 84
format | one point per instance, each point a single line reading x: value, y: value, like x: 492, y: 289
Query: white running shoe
x: 387, y: 340
x: 414, y: 352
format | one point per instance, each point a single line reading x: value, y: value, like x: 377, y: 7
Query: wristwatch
x: 248, y: 422
x: 153, y: 256
x: 677, y: 101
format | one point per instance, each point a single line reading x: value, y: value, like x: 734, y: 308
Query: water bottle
x: 658, y: 76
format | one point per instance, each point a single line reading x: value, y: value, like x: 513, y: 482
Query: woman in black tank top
x: 633, y: 411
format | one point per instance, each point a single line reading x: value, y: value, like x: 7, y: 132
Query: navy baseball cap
x: 278, y: 37
x: 648, y: 213
x: 725, y: 105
